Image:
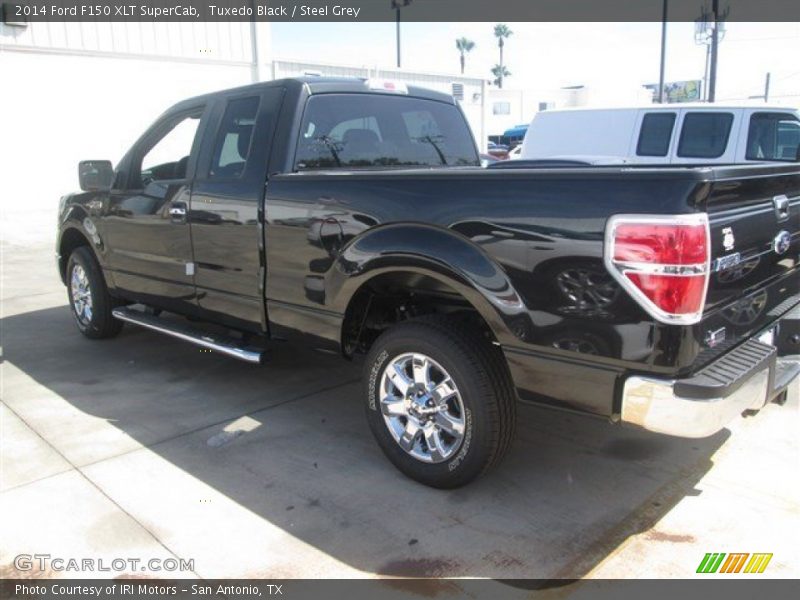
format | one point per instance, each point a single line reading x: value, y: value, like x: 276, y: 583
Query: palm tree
x: 501, y: 32
x: 500, y: 72
x: 463, y: 45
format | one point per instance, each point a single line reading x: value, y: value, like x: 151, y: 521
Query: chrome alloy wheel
x: 81, y: 294
x: 422, y: 407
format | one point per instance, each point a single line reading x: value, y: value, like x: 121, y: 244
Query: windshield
x: 380, y: 131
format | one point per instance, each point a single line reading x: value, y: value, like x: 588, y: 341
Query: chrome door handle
x: 177, y: 212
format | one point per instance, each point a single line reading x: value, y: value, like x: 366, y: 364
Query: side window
x: 168, y: 157
x: 705, y: 134
x: 773, y: 136
x: 234, y: 138
x: 655, y: 134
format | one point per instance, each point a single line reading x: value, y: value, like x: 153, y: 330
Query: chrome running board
x: 217, y: 343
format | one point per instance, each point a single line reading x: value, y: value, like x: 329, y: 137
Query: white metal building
x: 507, y: 108
x: 72, y: 91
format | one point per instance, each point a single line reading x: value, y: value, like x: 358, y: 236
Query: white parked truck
x: 666, y: 134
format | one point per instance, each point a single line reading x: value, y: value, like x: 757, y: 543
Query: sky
x: 545, y: 56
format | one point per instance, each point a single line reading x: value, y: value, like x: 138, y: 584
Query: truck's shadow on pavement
x: 570, y: 492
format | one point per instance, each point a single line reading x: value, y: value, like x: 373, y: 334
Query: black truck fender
x: 440, y: 254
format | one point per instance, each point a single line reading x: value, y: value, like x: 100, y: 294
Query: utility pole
x: 709, y: 30
x: 712, y: 76
x: 766, y: 88
x: 661, y: 96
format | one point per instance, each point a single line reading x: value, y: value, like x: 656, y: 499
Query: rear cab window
x: 365, y: 131
x: 773, y: 136
x: 705, y: 134
x: 655, y: 134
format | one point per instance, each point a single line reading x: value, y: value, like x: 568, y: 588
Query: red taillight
x: 663, y: 262
x: 675, y: 295
x: 660, y: 244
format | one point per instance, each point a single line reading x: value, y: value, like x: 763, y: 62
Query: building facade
x: 509, y: 108
x: 74, y: 91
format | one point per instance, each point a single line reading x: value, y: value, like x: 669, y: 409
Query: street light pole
x: 663, y: 53
x: 397, y: 5
x: 397, y: 11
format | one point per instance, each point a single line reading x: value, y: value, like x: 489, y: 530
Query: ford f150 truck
x: 353, y: 215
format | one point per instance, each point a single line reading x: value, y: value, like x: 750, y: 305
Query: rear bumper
x: 746, y: 378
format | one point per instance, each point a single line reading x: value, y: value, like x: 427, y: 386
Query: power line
x: 764, y: 39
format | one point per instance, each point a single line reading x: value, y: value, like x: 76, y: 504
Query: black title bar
x: 22, y: 11
x: 355, y: 589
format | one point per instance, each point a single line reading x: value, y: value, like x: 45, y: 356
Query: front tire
x: 88, y: 296
x: 440, y: 401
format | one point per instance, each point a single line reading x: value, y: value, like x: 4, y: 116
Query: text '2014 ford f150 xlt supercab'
x: 353, y: 215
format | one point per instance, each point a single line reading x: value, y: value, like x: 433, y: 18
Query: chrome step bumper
x: 745, y: 379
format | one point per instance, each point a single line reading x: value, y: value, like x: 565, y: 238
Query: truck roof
x: 332, y: 85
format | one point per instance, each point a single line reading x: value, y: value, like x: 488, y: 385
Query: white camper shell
x: 696, y: 133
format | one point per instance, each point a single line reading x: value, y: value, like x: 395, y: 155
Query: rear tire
x: 88, y: 296
x: 440, y: 434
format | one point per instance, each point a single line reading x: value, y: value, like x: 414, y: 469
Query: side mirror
x: 95, y: 175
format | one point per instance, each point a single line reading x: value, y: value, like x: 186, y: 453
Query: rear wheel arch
x: 390, y: 296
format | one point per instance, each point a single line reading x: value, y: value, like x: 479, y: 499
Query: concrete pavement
x: 144, y: 446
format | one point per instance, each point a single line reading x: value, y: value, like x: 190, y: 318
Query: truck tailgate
x: 755, y: 246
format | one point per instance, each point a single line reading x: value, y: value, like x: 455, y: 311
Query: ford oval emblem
x: 782, y: 242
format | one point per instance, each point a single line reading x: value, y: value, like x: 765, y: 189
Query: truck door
x: 150, y: 250
x: 226, y: 207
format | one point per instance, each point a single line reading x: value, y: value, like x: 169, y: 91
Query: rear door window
x: 381, y: 131
x: 705, y: 134
x: 234, y: 139
x: 655, y: 134
x: 773, y: 136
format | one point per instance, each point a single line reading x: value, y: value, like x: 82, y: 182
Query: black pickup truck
x: 353, y: 216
